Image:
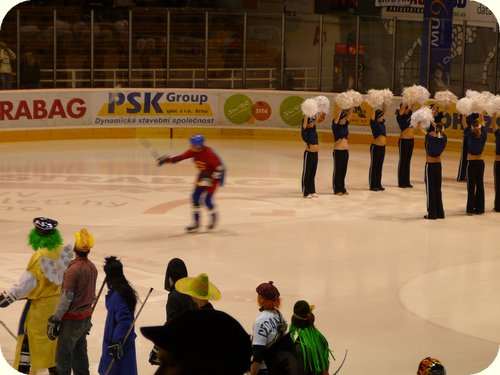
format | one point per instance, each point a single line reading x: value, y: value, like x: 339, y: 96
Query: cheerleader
x: 377, y: 149
x: 496, y: 167
x: 378, y: 100
x: 462, y: 165
x: 315, y: 111
x: 310, y: 159
x: 475, y: 134
x: 435, y: 143
x: 405, y: 144
x: 413, y: 99
x: 340, y: 129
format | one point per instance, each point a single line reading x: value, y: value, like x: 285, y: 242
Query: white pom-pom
x: 445, y: 98
x: 323, y: 103
x: 357, y: 98
x: 375, y: 98
x: 493, y: 106
x: 421, y: 118
x: 471, y: 94
x: 423, y: 94
x: 465, y: 106
x: 415, y: 94
x: 388, y: 96
x: 309, y: 107
x: 344, y: 101
x: 482, y: 100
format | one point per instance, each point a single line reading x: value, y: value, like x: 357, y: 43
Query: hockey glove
x: 153, y: 356
x: 162, y: 160
x: 5, y: 300
x: 115, y: 350
x: 53, y: 327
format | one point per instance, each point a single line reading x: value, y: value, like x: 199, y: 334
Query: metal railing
x: 305, y: 79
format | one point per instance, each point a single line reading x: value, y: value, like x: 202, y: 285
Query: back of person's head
x: 268, y: 296
x: 84, y: 241
x: 113, y: 268
x: 176, y: 269
x: 207, y: 342
x: 431, y: 366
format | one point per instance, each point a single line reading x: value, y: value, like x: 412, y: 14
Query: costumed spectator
x: 121, y: 301
x: 313, y: 352
x: 378, y: 100
x: 413, y: 98
x: 269, y: 326
x: 315, y: 111
x: 435, y: 143
x: 200, y: 289
x: 71, y: 318
x: 344, y: 106
x: 30, y: 72
x: 430, y: 366
x: 211, y: 175
x: 207, y: 342
x: 177, y: 302
x: 40, y: 284
x: 6, y: 55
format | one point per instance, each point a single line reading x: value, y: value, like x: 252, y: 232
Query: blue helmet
x: 197, y: 140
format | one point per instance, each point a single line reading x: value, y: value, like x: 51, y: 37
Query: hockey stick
x: 342, y: 364
x: 8, y: 330
x: 146, y: 143
x: 98, y: 295
x: 129, y: 330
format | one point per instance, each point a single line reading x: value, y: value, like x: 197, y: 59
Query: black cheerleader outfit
x: 462, y: 165
x: 405, y: 151
x: 340, y: 158
x: 310, y: 164
x: 434, y: 147
x: 377, y: 156
x: 475, y: 172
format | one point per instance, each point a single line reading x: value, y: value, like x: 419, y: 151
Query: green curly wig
x: 50, y: 242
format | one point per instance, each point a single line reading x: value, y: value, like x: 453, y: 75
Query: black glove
x: 162, y: 160
x: 5, y: 300
x: 153, y: 356
x: 53, y: 326
x: 115, y: 350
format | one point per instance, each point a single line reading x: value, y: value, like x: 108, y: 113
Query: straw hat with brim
x: 198, y: 287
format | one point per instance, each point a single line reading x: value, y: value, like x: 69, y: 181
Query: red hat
x: 268, y: 290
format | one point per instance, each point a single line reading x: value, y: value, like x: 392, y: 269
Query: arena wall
x: 33, y: 115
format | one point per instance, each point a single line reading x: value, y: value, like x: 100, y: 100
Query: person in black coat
x: 177, y: 303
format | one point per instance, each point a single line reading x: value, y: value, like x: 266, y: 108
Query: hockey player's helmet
x: 197, y: 140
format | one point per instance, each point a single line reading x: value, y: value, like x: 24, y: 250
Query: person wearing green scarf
x: 312, y: 347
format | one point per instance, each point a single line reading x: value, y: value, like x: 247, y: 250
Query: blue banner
x: 436, y: 44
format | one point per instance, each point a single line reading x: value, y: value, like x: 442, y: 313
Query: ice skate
x: 213, y: 222
x: 193, y: 228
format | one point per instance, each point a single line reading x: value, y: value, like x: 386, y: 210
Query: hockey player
x: 40, y: 285
x: 211, y: 175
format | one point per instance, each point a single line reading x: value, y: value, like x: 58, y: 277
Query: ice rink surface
x: 388, y: 285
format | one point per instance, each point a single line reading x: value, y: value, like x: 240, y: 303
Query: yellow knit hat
x: 83, y: 241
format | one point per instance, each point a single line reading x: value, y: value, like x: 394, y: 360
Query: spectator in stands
x: 6, y: 55
x: 30, y: 71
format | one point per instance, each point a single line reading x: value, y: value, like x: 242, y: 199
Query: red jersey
x: 205, y: 160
